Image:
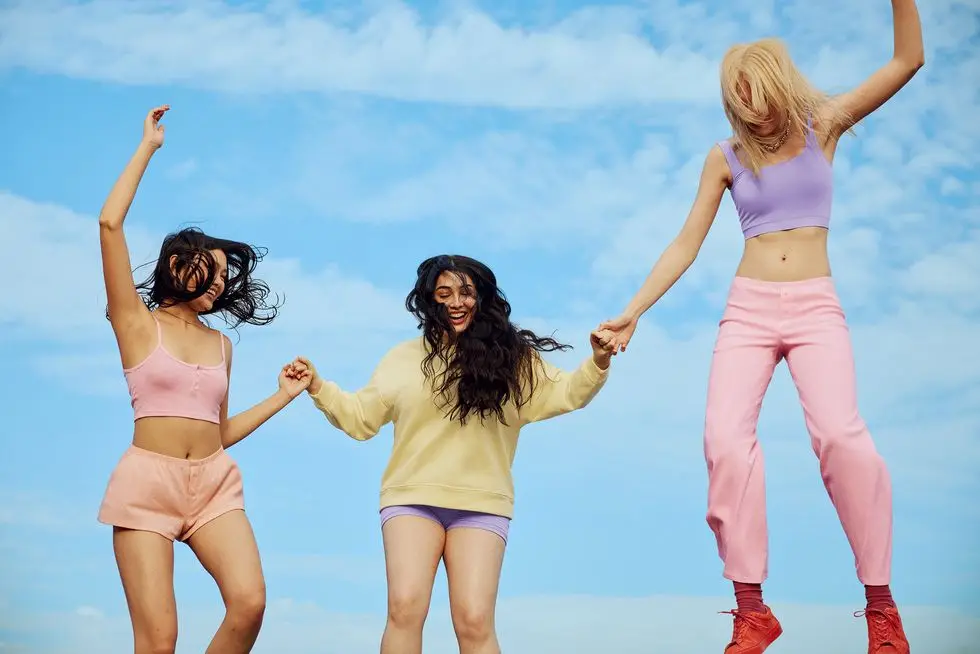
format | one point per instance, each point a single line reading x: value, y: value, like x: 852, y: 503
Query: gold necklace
x: 772, y: 148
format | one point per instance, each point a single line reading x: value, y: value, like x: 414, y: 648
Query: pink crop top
x: 164, y: 386
x: 786, y: 195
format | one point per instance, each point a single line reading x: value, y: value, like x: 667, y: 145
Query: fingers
x: 156, y: 113
x: 605, y: 339
x: 299, y: 368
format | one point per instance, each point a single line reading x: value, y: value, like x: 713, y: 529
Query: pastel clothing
x: 154, y: 492
x: 451, y: 518
x: 435, y: 460
x: 786, y: 195
x: 170, y: 496
x: 163, y: 385
x: 803, y: 323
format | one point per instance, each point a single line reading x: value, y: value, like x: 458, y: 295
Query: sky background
x: 561, y: 144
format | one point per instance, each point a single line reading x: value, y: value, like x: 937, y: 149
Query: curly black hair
x: 244, y: 299
x: 492, y: 362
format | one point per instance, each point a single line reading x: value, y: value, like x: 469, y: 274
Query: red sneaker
x: 753, y: 631
x: 885, y: 632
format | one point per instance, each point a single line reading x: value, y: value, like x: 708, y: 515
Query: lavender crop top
x: 787, y: 195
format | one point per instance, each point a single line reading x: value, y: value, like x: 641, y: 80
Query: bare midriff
x: 182, y: 438
x: 787, y: 256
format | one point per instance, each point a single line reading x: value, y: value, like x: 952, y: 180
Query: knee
x: 407, y: 610
x: 246, y: 606
x: 473, y: 623
x: 156, y: 639
x: 849, y: 437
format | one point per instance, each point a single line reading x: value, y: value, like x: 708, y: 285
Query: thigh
x: 413, y: 547
x: 744, y: 359
x: 146, y: 567
x: 822, y: 367
x: 474, y: 558
x: 227, y: 549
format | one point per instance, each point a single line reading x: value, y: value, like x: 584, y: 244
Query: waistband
x: 166, y: 459
x: 814, y: 283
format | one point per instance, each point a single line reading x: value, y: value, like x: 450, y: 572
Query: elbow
x: 686, y: 252
x: 108, y: 224
x: 912, y: 63
x: 361, y: 435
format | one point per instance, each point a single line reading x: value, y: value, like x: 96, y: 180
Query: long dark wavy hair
x: 486, y: 366
x: 244, y: 299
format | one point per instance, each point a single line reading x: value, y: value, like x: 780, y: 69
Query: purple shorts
x: 451, y: 518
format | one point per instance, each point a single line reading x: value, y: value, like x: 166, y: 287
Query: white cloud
x: 528, y: 625
x: 465, y: 57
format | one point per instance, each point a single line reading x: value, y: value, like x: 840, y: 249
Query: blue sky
x: 562, y: 146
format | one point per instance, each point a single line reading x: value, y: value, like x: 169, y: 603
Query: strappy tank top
x: 164, y: 386
x: 787, y: 195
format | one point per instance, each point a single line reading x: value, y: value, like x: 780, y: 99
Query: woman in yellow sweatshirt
x: 458, y: 397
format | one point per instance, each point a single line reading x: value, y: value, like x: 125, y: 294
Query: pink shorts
x: 169, y: 496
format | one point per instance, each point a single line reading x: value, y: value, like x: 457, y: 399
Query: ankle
x: 748, y: 597
x: 879, y: 598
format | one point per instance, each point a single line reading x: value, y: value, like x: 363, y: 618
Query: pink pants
x: 802, y: 322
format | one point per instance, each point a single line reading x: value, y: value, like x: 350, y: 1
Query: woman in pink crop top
x: 176, y: 482
x: 782, y: 305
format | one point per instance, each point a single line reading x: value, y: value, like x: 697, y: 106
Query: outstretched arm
x: 557, y: 391
x: 360, y: 415
x: 848, y: 109
x: 241, y: 425
x: 682, y: 252
x: 125, y: 306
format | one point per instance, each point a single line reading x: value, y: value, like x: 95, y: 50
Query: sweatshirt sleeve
x: 558, y: 391
x: 360, y: 415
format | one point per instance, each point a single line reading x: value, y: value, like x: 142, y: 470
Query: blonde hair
x: 765, y: 69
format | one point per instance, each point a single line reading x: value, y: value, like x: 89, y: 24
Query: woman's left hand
x: 293, y: 380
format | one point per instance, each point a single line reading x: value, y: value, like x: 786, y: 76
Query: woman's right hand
x: 152, y: 129
x: 301, y: 365
x: 622, y: 328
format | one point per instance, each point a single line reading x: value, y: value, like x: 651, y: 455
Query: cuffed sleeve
x: 557, y: 391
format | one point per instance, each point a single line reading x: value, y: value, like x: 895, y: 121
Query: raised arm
x: 850, y: 108
x: 360, y: 415
x: 125, y: 307
x: 683, y: 250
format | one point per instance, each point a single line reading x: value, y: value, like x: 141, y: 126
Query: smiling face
x: 193, y: 274
x: 456, y: 292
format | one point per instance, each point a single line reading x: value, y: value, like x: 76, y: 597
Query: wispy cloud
x: 465, y: 56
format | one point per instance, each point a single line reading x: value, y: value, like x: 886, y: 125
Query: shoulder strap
x: 159, y: 329
x: 811, y: 136
x: 221, y: 337
x: 733, y: 163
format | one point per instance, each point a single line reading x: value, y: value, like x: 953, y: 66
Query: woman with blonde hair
x: 783, y: 305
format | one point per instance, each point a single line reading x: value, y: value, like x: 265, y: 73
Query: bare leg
x: 413, y: 547
x: 474, y: 558
x: 146, y: 567
x: 227, y: 550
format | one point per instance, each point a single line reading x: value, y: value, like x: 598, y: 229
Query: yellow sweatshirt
x: 435, y: 460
